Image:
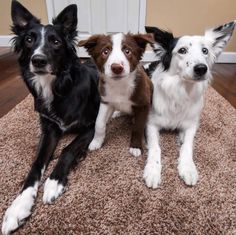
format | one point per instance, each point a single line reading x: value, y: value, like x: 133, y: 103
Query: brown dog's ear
x: 143, y: 39
x: 90, y: 43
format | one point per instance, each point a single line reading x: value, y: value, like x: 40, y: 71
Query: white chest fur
x: 43, y: 86
x: 176, y: 103
x: 118, y: 93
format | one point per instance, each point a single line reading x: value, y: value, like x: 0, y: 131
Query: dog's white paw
x: 95, y: 144
x: 19, y: 210
x: 136, y: 152
x: 188, y: 172
x: 52, y: 190
x: 152, y: 175
x: 117, y: 114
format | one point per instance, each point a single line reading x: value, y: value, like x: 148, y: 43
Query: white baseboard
x: 5, y: 40
x: 225, y: 57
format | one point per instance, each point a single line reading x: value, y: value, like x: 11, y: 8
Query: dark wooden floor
x: 13, y: 90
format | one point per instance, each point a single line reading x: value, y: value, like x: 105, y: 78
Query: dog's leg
x: 21, y: 207
x: 140, y: 118
x: 186, y: 167
x: 74, y: 152
x: 152, y: 170
x: 105, y: 112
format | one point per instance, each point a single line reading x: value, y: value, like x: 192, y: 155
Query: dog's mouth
x: 195, y: 79
x: 117, y: 77
x: 199, y: 78
x: 40, y: 72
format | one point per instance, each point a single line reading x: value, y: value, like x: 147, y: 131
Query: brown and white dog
x: 123, y: 85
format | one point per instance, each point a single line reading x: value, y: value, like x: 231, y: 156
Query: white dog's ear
x: 164, y: 44
x: 220, y: 36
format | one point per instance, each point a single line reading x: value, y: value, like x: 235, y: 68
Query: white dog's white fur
x: 178, y: 97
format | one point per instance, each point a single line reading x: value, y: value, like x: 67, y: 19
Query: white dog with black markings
x: 180, y: 76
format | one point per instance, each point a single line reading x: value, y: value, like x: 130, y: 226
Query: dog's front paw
x: 188, y: 172
x: 19, y: 210
x: 152, y: 175
x: 95, y: 144
x: 117, y: 114
x: 52, y: 190
x: 136, y: 152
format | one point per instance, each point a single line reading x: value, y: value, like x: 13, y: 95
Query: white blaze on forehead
x: 117, y: 41
x: 117, y: 56
x: 41, y: 44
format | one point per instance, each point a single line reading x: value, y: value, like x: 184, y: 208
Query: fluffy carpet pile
x: 106, y: 193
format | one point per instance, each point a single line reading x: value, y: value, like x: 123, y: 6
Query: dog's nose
x: 200, y: 69
x: 39, y: 61
x: 117, y: 68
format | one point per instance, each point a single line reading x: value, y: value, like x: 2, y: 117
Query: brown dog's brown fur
x: 142, y: 97
x: 142, y: 94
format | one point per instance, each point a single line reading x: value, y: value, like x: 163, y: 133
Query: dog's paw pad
x: 19, y: 210
x: 135, y: 152
x: 152, y: 175
x: 52, y: 190
x: 188, y: 172
x: 94, y: 145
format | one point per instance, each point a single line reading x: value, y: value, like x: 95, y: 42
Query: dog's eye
x: 56, y: 42
x: 204, y: 50
x: 127, y: 51
x: 29, y: 40
x: 105, y: 52
x: 182, y: 50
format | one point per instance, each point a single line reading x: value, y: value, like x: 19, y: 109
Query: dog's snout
x: 117, y: 68
x: 200, y: 69
x: 39, y: 61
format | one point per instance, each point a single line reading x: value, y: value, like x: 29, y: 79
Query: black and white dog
x: 180, y: 76
x: 65, y: 96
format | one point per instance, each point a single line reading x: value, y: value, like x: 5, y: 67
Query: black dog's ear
x: 21, y: 17
x: 67, y: 19
x: 220, y: 36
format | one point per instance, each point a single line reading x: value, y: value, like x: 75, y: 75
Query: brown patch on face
x: 99, y: 47
x: 133, y: 47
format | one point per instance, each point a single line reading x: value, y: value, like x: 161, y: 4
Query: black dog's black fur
x: 167, y: 41
x: 74, y: 95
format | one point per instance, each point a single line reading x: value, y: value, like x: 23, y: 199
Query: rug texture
x: 106, y: 193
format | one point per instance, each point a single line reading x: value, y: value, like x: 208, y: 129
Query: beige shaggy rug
x: 106, y: 193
